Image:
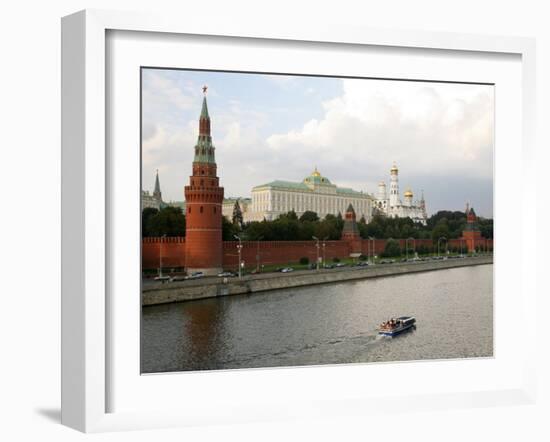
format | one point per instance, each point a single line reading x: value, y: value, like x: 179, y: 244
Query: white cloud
x: 438, y: 131
x: 425, y: 128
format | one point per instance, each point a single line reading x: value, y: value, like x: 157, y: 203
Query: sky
x: 280, y: 127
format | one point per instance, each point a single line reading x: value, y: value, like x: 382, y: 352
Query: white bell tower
x: 394, y: 187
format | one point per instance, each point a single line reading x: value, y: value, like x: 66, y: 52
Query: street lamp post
x: 239, y: 249
x: 317, y: 246
x: 407, y: 246
x: 324, y: 245
x: 371, y: 238
x: 258, y: 254
x: 438, y: 241
x: 160, y: 255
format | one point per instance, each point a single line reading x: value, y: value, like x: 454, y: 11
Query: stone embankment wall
x: 159, y: 293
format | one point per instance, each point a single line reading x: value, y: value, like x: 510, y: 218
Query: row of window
x: 201, y: 181
x: 201, y: 209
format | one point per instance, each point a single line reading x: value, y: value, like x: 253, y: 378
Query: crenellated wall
x: 277, y: 252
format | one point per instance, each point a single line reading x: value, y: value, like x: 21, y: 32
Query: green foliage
x: 146, y: 215
x: 287, y: 227
x: 486, y: 227
x: 304, y: 260
x: 169, y: 221
x: 229, y: 230
x: 237, y: 215
x: 440, y: 230
x: 335, y: 259
x: 392, y: 249
x: 310, y: 216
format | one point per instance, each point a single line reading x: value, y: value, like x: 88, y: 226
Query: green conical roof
x: 204, y: 110
x: 204, y: 149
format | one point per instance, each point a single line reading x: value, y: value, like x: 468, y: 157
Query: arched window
x: 189, y: 210
x: 214, y: 209
x: 202, y: 208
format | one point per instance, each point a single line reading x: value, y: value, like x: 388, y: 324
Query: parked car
x: 341, y: 264
x: 195, y: 275
x: 287, y: 270
x: 226, y: 274
x: 161, y: 278
x: 178, y: 278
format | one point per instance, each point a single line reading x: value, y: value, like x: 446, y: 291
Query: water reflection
x: 325, y: 324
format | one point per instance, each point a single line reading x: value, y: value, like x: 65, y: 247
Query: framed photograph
x: 269, y: 223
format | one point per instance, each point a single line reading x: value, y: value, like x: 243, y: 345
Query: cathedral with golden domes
x: 391, y: 205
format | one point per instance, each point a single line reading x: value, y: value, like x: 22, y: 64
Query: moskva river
x: 325, y: 324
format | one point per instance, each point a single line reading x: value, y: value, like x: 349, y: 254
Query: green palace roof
x: 314, y: 179
x: 280, y: 184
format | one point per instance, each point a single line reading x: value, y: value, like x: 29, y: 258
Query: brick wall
x: 274, y: 252
x: 173, y: 252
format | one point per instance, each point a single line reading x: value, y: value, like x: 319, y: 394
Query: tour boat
x: 396, y: 326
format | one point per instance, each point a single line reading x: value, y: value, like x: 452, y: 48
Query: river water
x: 325, y: 324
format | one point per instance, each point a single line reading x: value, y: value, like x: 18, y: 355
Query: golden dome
x: 315, y: 172
x: 408, y: 193
x: 394, y: 168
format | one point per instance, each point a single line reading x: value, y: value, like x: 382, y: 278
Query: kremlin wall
x: 276, y: 252
x: 202, y: 249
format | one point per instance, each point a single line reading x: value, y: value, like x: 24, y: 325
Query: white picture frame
x: 86, y: 315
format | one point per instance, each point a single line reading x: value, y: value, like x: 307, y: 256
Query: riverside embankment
x: 154, y: 293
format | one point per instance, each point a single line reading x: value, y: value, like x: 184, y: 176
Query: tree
x: 362, y: 220
x: 392, y: 248
x: 441, y: 229
x: 229, y: 230
x: 169, y: 221
x: 237, y: 215
x: 310, y: 216
x: 146, y: 215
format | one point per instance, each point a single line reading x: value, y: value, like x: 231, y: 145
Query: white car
x: 287, y: 270
x: 162, y: 278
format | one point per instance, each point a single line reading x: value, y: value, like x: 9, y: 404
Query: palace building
x: 392, y: 206
x: 314, y: 193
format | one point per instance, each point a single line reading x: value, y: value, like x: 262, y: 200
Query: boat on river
x: 395, y: 326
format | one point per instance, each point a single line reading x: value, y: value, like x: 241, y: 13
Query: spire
x: 157, y: 194
x: 204, y: 150
x: 204, y: 110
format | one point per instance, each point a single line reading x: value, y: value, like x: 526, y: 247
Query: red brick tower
x: 350, y: 232
x: 204, y: 197
x: 471, y: 234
